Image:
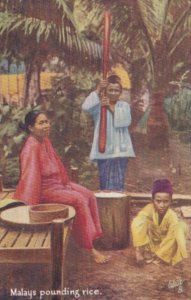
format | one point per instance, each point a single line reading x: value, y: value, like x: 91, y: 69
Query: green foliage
x: 53, y: 27
x: 11, y: 140
x: 71, y: 128
x: 152, y: 36
x: 178, y: 108
x: 69, y: 124
x: 154, y: 15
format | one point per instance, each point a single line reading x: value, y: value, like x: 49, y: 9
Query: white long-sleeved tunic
x: 118, y: 140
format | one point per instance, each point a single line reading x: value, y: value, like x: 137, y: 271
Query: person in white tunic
x: 112, y: 164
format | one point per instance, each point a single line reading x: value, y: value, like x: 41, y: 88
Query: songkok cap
x: 162, y: 186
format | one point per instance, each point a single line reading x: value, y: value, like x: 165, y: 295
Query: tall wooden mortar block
x: 114, y: 212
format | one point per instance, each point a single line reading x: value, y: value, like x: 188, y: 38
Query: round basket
x: 45, y: 213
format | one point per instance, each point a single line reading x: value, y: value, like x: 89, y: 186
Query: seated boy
x: 158, y: 234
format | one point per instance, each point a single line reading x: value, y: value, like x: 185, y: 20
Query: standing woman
x: 43, y: 179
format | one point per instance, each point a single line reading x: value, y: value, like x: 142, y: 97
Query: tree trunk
x: 157, y: 125
x: 162, y: 65
x: 32, y: 90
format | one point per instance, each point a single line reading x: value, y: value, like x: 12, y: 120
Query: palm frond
x: 10, y: 23
x: 187, y: 22
x: 178, y: 43
x: 61, y: 4
x: 64, y: 35
x: 154, y: 15
x: 185, y: 19
x: 6, y: 22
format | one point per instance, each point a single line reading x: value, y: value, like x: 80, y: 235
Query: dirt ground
x: 121, y: 279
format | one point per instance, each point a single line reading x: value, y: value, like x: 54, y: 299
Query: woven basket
x: 45, y: 213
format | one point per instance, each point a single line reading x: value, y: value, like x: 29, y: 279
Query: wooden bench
x: 32, y: 244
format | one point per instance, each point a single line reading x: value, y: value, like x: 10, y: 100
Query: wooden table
x: 24, y: 242
x: 21, y: 238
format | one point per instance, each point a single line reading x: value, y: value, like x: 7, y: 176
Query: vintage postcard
x: 95, y: 149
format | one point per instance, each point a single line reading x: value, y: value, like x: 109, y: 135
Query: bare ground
x: 121, y: 279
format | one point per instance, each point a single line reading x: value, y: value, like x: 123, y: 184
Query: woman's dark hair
x: 30, y: 120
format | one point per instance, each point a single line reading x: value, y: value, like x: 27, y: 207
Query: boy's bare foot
x: 100, y: 258
x: 148, y: 256
x: 157, y: 261
x: 139, y: 257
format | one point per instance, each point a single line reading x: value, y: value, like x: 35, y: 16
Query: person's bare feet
x: 139, y: 257
x: 99, y: 258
